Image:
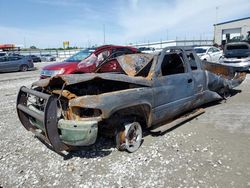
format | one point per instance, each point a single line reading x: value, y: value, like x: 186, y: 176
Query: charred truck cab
x: 152, y: 91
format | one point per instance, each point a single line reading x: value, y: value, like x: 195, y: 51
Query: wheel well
x: 22, y: 66
x: 140, y: 113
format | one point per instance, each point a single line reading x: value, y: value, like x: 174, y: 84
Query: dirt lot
x: 210, y: 151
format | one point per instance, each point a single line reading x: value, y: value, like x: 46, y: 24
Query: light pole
x: 216, y: 14
x: 24, y: 41
x: 104, y: 34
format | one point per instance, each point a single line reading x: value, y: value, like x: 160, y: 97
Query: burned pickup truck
x: 153, y: 91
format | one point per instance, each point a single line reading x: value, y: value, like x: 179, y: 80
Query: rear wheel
x: 24, y: 68
x: 129, y: 137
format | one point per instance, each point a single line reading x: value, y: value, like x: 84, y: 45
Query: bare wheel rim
x: 133, y: 136
x: 24, y: 68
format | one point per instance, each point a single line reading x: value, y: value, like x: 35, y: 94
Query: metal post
x: 104, y: 34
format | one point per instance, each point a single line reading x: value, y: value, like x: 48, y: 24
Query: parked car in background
x: 34, y: 58
x: 3, y: 54
x: 87, y: 61
x: 47, y: 57
x: 7, y: 53
x: 68, y: 66
x: 208, y: 53
x: 236, y: 54
x: 14, y: 54
x: 15, y: 63
x: 146, y: 49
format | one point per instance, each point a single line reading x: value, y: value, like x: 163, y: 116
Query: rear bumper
x: 60, y: 134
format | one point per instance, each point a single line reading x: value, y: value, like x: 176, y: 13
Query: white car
x: 47, y: 57
x: 146, y: 49
x: 209, y: 53
x: 237, y: 54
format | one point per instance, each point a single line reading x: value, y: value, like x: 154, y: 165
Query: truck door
x: 198, y: 75
x: 173, y: 89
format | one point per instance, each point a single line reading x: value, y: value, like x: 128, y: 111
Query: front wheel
x: 129, y: 137
x: 24, y: 68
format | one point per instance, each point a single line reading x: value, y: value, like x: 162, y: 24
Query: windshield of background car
x: 90, y: 60
x: 237, y: 47
x: 133, y: 64
x: 200, y: 50
x: 78, y: 56
x: 239, y: 50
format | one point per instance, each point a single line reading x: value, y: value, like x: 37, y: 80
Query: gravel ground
x: 210, y: 151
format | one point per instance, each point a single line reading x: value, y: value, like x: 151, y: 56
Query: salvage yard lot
x: 212, y: 150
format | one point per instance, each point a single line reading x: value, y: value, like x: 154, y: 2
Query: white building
x: 226, y: 31
x: 163, y: 44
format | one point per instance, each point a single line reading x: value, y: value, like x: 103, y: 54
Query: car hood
x: 71, y: 79
x: 60, y: 65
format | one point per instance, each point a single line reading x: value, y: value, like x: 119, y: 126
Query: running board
x: 163, y: 128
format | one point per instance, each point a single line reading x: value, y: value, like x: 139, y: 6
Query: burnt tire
x: 24, y: 68
x: 128, y: 137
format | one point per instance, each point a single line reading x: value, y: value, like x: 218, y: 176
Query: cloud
x: 133, y: 4
x: 148, y: 18
x: 125, y: 21
x: 51, y: 37
x: 60, y: 2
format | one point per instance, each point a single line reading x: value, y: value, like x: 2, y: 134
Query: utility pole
x: 216, y: 21
x: 104, y: 34
x: 216, y: 14
x: 24, y: 41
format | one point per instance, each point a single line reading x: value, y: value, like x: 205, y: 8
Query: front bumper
x: 60, y: 134
x: 78, y: 133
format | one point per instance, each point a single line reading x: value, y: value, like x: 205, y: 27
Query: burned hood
x: 133, y: 64
x: 71, y: 79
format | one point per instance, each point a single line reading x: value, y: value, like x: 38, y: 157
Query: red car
x: 86, y: 61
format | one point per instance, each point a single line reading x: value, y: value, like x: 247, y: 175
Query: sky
x: 47, y: 23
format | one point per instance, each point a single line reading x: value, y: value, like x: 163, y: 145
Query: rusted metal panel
x: 79, y: 78
x: 178, y: 121
x: 133, y: 64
